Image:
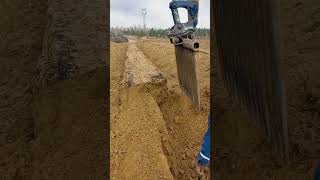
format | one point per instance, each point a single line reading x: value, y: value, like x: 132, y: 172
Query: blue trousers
x: 317, y: 172
x: 204, y: 154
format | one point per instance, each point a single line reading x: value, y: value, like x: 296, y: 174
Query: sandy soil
x: 53, y: 89
x: 155, y: 132
x: 241, y: 150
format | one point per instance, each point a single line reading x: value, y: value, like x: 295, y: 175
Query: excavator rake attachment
x: 182, y: 36
x: 248, y: 47
x: 187, y: 68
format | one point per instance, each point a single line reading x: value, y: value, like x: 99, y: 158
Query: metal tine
x: 260, y: 67
x: 225, y: 64
x: 246, y: 63
x: 191, y: 79
x: 253, y: 89
x: 268, y: 65
x: 235, y: 61
x: 233, y: 77
x: 184, y: 66
x: 236, y: 65
x: 255, y: 68
x: 188, y: 73
x: 178, y: 63
x: 228, y: 55
x: 225, y: 68
x: 265, y: 79
x: 238, y: 79
x: 187, y: 70
x: 275, y: 110
x: 252, y: 65
x: 220, y: 40
x: 196, y: 79
x: 232, y: 69
x: 242, y: 59
x: 251, y: 74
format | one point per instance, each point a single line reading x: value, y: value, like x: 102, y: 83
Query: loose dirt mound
x: 156, y: 132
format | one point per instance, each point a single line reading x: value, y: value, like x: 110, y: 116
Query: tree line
x: 157, y: 32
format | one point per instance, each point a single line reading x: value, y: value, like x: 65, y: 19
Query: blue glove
x: 204, y: 154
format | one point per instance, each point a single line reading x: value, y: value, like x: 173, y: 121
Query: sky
x: 127, y: 13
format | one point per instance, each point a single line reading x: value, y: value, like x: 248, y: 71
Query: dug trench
x: 155, y: 132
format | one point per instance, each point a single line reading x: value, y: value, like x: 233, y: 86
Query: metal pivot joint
x: 181, y: 31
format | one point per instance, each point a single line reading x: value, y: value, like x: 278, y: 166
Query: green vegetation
x: 157, y: 32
